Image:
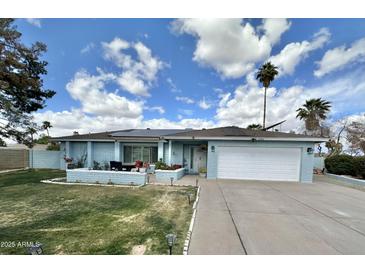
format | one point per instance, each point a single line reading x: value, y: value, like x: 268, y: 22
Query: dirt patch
x: 138, y: 250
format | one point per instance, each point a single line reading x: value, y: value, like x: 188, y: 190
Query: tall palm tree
x: 266, y: 74
x: 313, y: 111
x: 46, y: 125
x: 254, y: 126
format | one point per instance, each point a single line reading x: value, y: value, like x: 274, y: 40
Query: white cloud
x: 183, y: 123
x: 203, y: 104
x: 187, y: 112
x: 293, y: 53
x: 338, y: 58
x: 245, y: 105
x: 87, y: 48
x: 35, y: 22
x: 90, y: 91
x: 159, y: 109
x: 138, y: 75
x: 184, y: 99
x: 172, y: 85
x: 231, y: 46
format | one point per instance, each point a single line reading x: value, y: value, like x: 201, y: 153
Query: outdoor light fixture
x: 212, y: 148
x: 35, y: 249
x: 310, y: 150
x: 196, y: 182
x: 190, y: 198
x: 171, y: 239
x: 172, y: 180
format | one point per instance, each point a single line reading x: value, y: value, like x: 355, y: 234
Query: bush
x: 359, y: 166
x: 340, y: 165
x: 202, y: 170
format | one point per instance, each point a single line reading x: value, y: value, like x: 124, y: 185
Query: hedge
x: 346, y: 165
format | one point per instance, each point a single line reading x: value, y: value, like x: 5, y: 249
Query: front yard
x: 90, y: 219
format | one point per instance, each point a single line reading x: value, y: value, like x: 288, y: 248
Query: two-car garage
x: 259, y: 163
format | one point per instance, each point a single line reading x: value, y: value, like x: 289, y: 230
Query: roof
x: 233, y: 132
x: 226, y: 133
x: 148, y: 132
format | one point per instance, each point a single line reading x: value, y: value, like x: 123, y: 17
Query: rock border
x: 54, y: 181
x: 191, y: 226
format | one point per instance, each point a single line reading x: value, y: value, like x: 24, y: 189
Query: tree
x: 2, y: 143
x: 46, y: 125
x: 21, y: 84
x: 356, y: 136
x: 254, y: 126
x: 313, y: 112
x: 266, y: 74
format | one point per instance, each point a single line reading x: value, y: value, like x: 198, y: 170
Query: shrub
x: 202, y: 170
x: 340, y: 165
x: 359, y: 166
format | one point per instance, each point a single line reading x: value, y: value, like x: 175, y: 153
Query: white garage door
x: 254, y: 163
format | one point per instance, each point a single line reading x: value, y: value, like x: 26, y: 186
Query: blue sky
x: 122, y: 73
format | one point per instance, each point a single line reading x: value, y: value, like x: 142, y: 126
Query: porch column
x: 89, y: 154
x: 170, y: 153
x: 67, y: 148
x: 117, y: 151
x: 160, y: 151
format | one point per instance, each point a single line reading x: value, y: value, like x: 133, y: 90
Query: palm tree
x: 254, y: 126
x: 313, y: 111
x: 46, y: 125
x: 266, y: 74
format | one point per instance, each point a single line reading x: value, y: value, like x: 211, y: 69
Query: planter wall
x: 165, y: 175
x: 84, y: 175
x: 346, y: 179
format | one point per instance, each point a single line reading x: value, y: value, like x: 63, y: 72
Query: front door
x: 198, y: 158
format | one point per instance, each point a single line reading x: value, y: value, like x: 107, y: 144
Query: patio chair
x: 115, y: 165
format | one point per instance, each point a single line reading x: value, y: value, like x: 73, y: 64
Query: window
x: 143, y: 153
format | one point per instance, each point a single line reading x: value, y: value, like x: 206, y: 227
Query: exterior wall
x: 177, y: 153
x: 77, y: 150
x: 165, y: 175
x: 306, y: 168
x: 100, y: 176
x: 45, y: 159
x: 102, y: 152
x: 165, y: 152
x: 319, y: 162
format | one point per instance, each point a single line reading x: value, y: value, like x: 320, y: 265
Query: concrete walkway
x: 248, y: 217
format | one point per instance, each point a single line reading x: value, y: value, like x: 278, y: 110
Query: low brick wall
x: 84, y: 175
x: 345, y: 179
x: 165, y: 175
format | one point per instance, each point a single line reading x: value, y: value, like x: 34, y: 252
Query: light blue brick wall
x: 165, y: 175
x: 45, y: 159
x: 306, y: 169
x: 177, y: 153
x: 77, y: 150
x: 116, y: 177
x: 103, y: 152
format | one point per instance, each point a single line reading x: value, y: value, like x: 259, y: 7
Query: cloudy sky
x: 136, y: 73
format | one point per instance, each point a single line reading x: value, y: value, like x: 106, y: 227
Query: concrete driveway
x: 248, y: 217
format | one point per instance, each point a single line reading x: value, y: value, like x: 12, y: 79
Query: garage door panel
x: 276, y: 164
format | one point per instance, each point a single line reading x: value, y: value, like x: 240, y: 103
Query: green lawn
x: 90, y: 219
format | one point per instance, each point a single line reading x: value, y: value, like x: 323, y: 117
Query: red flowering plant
x: 138, y: 164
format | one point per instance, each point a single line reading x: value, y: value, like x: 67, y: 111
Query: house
x: 226, y: 152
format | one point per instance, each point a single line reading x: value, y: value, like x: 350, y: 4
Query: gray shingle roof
x: 233, y: 131
x: 150, y: 134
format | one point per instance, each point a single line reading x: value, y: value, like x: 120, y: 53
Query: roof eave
x: 250, y: 138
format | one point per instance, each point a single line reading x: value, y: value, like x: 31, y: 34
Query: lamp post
x: 171, y: 180
x: 190, y: 197
x: 196, y: 182
x: 170, y: 238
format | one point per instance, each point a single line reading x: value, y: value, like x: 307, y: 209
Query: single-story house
x: 226, y: 152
